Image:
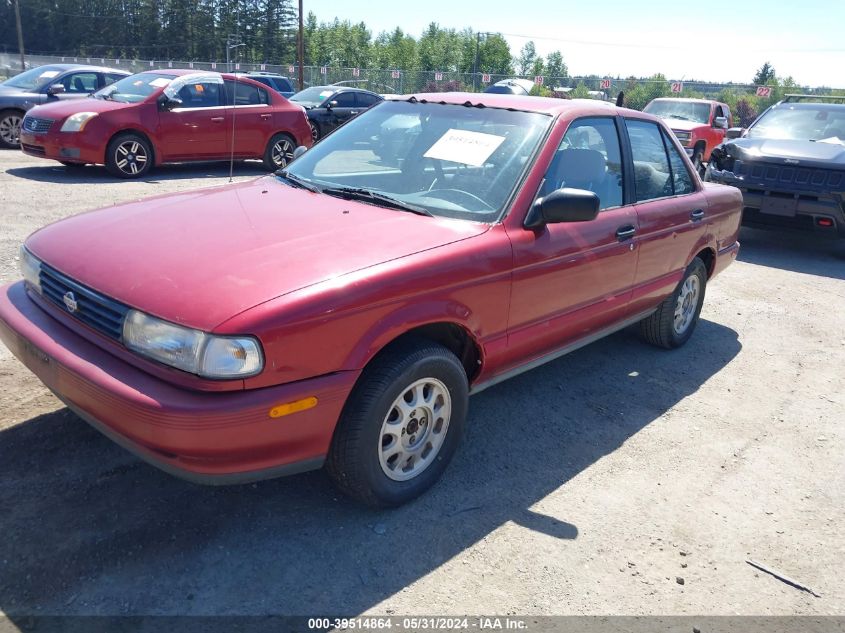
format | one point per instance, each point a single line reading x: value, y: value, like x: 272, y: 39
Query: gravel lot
x: 620, y: 479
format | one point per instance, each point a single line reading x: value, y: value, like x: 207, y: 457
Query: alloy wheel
x: 282, y: 152
x: 686, y: 304
x: 130, y: 157
x: 10, y: 129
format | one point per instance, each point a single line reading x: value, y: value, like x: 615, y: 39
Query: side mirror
x: 331, y: 104
x: 563, y: 205
x: 735, y: 132
x: 720, y: 123
x: 168, y: 103
x: 299, y: 151
x: 56, y: 89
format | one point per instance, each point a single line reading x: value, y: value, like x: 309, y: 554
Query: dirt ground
x: 620, y: 479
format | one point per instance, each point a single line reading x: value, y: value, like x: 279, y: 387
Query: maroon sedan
x: 341, y: 311
x: 168, y: 116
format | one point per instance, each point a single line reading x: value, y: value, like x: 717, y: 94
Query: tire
x: 697, y: 157
x: 315, y: 131
x: 129, y: 155
x: 10, y: 129
x: 674, y: 321
x: 386, y: 449
x: 279, y: 152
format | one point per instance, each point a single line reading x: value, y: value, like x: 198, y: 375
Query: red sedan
x: 341, y: 311
x: 168, y: 116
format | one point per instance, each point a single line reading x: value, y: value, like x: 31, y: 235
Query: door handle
x: 354, y: 112
x: 266, y: 116
x: 625, y: 232
x: 217, y: 119
x: 697, y: 215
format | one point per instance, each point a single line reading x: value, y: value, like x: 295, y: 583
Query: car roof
x: 66, y: 67
x: 542, y: 105
x: 348, y: 88
x: 689, y: 99
x: 809, y: 105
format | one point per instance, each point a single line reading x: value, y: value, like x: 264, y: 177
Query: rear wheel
x: 10, y: 129
x: 279, y: 152
x: 129, y: 156
x: 400, y: 426
x: 672, y: 324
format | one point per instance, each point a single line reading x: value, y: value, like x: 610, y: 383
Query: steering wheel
x: 438, y: 193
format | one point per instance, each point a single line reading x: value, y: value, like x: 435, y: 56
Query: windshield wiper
x: 302, y: 183
x: 366, y: 195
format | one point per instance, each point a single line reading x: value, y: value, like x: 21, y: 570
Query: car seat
x: 577, y: 169
x: 78, y: 86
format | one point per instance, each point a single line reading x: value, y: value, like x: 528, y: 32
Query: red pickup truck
x: 341, y: 311
x: 699, y: 124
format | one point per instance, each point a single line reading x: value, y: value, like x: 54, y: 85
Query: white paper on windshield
x: 463, y: 146
x: 159, y: 82
x: 326, y: 93
x: 48, y: 74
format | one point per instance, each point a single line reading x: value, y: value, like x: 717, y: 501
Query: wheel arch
x: 132, y: 130
x: 708, y: 256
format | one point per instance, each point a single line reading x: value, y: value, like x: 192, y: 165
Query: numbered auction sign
x: 677, y: 86
x: 323, y: 70
x: 438, y: 76
x: 170, y: 64
x: 538, y: 80
x: 213, y: 65
x: 485, y: 78
x: 190, y: 64
x: 291, y: 69
x: 263, y: 66
x: 356, y: 72
x: 151, y: 63
x: 237, y: 66
x: 605, y: 84
x: 764, y: 91
x: 396, y: 74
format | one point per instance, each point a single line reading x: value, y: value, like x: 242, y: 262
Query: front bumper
x: 767, y: 207
x: 72, y: 147
x: 205, y: 437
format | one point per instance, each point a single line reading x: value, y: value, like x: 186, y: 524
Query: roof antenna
x: 229, y: 46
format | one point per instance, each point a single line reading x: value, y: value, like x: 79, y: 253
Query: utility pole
x: 20, y: 32
x: 300, y: 49
x: 232, y: 41
x: 475, y: 63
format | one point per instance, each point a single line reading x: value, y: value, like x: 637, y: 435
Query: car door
x: 572, y: 279
x: 196, y: 128
x: 252, y: 124
x: 670, y: 210
x: 341, y: 107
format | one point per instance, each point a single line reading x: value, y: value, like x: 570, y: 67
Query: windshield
x: 823, y: 123
x: 313, y: 96
x: 448, y: 160
x: 35, y: 78
x: 134, y: 88
x: 684, y: 110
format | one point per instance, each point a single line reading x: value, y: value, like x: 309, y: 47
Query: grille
x: 91, y: 308
x: 34, y: 124
x: 34, y: 149
x: 790, y: 175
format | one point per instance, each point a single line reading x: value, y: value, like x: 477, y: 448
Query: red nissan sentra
x: 168, y: 116
x: 341, y: 311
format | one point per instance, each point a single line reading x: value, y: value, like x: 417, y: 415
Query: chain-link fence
x: 638, y: 92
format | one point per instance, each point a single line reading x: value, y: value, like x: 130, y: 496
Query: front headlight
x: 77, y: 122
x: 191, y: 350
x: 30, y: 269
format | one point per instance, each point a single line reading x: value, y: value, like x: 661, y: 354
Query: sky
x: 709, y: 41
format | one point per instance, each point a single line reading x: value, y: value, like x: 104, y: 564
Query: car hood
x: 808, y: 153
x: 62, y: 109
x: 201, y: 257
x: 681, y: 124
x: 9, y: 94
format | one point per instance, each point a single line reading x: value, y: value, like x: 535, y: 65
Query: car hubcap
x: 10, y: 129
x: 282, y: 153
x: 130, y: 157
x: 414, y: 429
x: 687, y: 303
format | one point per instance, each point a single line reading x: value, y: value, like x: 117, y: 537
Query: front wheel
x: 315, y: 131
x: 129, y: 156
x: 400, y: 426
x: 279, y: 152
x: 10, y: 129
x: 672, y: 324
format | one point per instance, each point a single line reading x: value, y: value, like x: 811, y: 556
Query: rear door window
x: 682, y: 182
x: 344, y: 100
x: 652, y: 175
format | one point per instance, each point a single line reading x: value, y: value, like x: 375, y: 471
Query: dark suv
x: 279, y: 83
x: 45, y: 84
x: 789, y: 165
x: 329, y: 107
